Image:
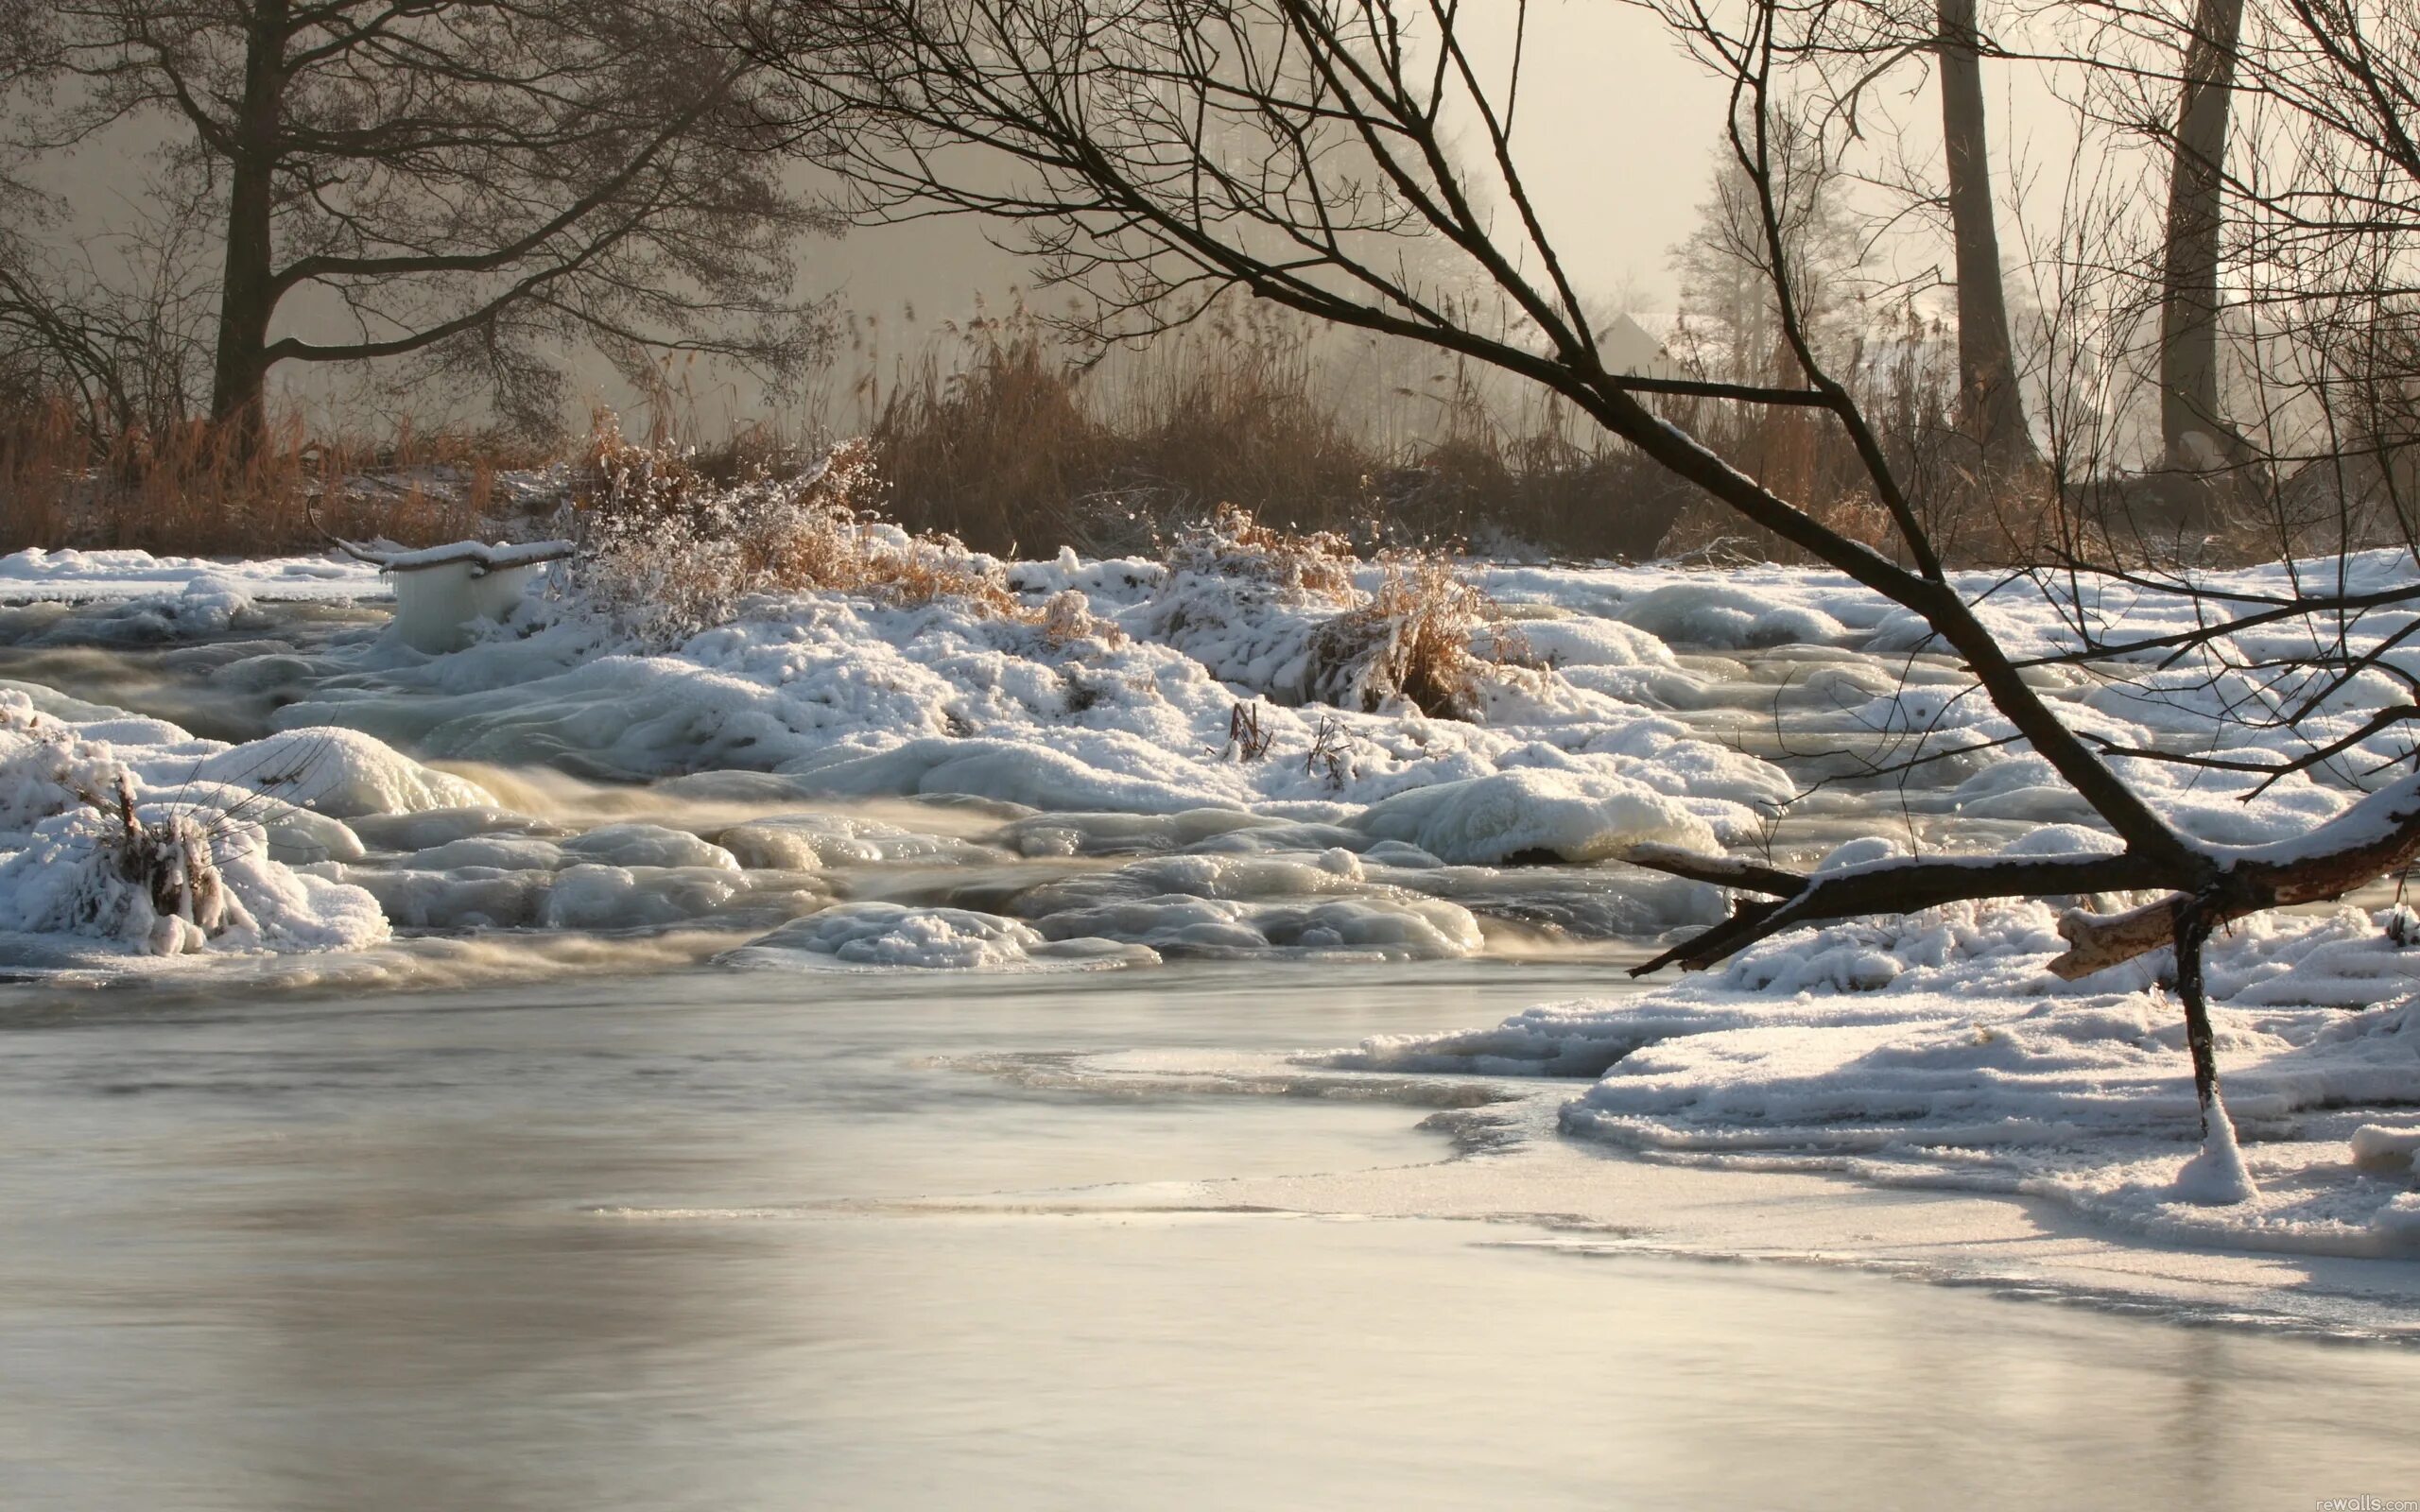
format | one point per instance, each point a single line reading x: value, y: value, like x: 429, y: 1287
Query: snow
x: 36, y: 573
x: 1576, y: 814
x: 2216, y: 1176
x: 67, y: 864
x: 1938, y: 1051
x: 878, y: 934
x: 342, y: 773
x: 484, y: 557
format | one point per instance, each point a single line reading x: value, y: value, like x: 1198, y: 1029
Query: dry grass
x: 999, y: 433
x: 188, y: 488
x: 1414, y: 640
x: 1232, y: 542
x: 667, y: 550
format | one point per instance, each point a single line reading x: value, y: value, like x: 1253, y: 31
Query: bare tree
x: 476, y: 183
x: 2194, y: 434
x: 1164, y: 151
x: 1992, y: 406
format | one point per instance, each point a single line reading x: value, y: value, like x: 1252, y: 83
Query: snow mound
x: 111, y: 840
x: 1706, y: 612
x: 1368, y: 928
x: 1579, y: 814
x: 876, y: 935
x: 339, y: 772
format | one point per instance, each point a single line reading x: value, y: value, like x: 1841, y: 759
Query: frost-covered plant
x: 1281, y: 612
x: 1415, y: 639
x: 1068, y: 618
x: 1232, y: 543
x: 667, y: 550
x: 110, y: 871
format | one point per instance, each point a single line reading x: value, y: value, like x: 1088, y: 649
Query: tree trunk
x: 248, y: 296
x: 2193, y: 435
x: 1989, y: 405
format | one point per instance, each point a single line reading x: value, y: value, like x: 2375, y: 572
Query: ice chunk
x: 1580, y: 642
x: 647, y: 845
x: 2389, y: 1151
x: 503, y: 853
x: 1582, y: 814
x: 809, y: 842
x: 602, y: 897
x: 1708, y: 612
x: 339, y: 772
x: 892, y: 935
x: 435, y: 827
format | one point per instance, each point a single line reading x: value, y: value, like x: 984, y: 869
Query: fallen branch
x: 1892, y: 887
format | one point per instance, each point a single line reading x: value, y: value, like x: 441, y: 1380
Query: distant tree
x: 476, y: 183
x: 2194, y: 434
x: 1991, y: 408
x: 1725, y: 265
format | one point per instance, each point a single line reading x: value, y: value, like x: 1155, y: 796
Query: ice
x: 877, y: 935
x: 129, y: 575
x: 207, y: 605
x: 591, y: 896
x: 648, y: 845
x: 1582, y: 814
x: 586, y: 896
x: 1373, y: 927
x: 808, y: 842
x: 2215, y: 1176
x: 503, y: 853
x: 1009, y: 770
x: 2388, y: 1151
x: 427, y: 828
x: 934, y: 786
x: 339, y: 772
x: 208, y: 870
x: 1937, y: 1050
x: 1708, y: 612
x: 459, y: 897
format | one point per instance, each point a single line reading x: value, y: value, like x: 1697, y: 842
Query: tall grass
x: 997, y: 432
x: 189, y: 489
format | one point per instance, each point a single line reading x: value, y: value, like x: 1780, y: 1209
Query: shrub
x: 1414, y: 640
x: 667, y: 550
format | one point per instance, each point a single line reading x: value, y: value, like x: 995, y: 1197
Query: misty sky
x: 1616, y: 125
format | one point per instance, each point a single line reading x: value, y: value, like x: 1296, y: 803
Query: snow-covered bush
x: 149, y: 879
x: 1280, y: 613
x: 1232, y: 543
x: 1419, y: 638
x: 667, y: 551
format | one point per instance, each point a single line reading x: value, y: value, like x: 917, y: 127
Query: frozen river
x: 718, y: 1241
x: 875, y: 1058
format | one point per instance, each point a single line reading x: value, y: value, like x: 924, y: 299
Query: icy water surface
x: 723, y: 1240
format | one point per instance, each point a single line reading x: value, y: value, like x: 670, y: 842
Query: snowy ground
x: 830, y: 782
